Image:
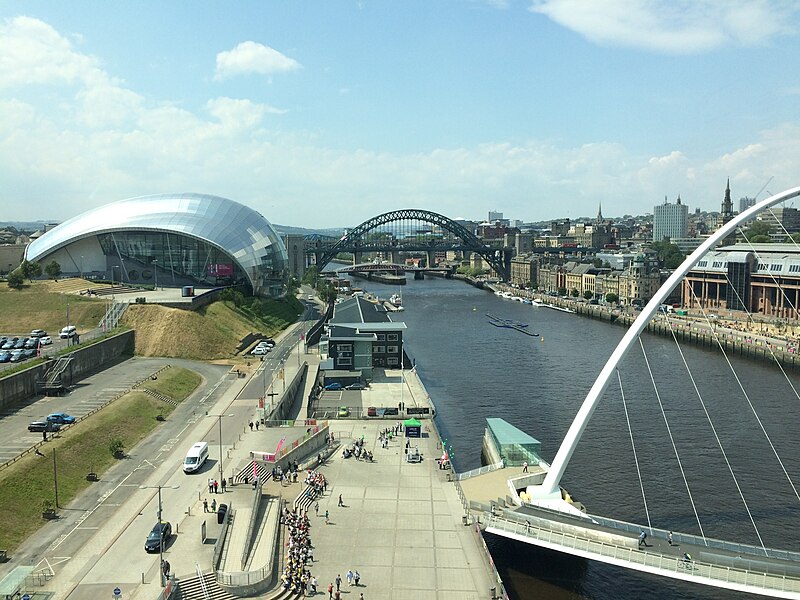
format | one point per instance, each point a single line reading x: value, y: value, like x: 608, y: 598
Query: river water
x: 473, y: 370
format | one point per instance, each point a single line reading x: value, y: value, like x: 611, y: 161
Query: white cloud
x: 671, y: 26
x: 252, y: 57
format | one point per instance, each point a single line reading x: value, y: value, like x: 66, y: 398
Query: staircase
x: 246, y: 474
x: 192, y: 589
x: 54, y: 380
x: 158, y: 396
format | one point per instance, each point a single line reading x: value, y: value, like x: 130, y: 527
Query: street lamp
x: 158, y: 521
x: 155, y: 271
x: 219, y: 421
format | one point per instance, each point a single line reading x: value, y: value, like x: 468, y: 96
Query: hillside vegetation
x: 209, y: 333
x: 43, y: 305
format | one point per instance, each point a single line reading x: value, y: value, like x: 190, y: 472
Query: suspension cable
x: 672, y: 441
x: 635, y: 458
x: 716, y: 435
x: 744, y: 392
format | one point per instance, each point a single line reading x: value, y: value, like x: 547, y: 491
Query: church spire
x: 599, y: 212
x: 727, y: 203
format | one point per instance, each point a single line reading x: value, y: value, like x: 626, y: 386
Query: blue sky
x: 328, y: 113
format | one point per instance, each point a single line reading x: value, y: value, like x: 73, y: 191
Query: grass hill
x: 210, y: 333
x: 44, y: 305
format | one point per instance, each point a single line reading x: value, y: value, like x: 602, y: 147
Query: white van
x: 68, y: 332
x: 195, y: 458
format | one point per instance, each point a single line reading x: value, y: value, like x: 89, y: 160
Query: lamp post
x: 55, y: 476
x: 219, y: 421
x: 158, y: 521
x: 81, y: 266
x: 155, y: 271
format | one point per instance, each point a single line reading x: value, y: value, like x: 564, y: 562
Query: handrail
x: 655, y: 560
x: 202, y: 579
x: 479, y: 471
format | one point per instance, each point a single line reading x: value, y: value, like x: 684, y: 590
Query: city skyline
x: 325, y: 116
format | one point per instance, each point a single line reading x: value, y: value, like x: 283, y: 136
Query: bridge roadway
x: 714, y: 563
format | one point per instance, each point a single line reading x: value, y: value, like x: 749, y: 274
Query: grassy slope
x: 40, y: 306
x: 211, y: 333
x: 82, y: 448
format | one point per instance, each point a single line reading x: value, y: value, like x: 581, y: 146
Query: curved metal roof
x: 234, y: 228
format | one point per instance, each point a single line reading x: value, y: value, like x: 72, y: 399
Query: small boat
x: 537, y: 302
x: 396, y: 300
x: 526, y: 301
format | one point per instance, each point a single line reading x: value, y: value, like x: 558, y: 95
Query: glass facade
x: 176, y: 239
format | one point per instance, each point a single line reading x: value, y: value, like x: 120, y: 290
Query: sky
x: 325, y: 114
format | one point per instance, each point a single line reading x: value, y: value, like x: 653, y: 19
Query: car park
x: 356, y: 386
x: 333, y: 386
x: 43, y: 426
x: 45, y: 340
x: 60, y: 418
x: 158, y: 537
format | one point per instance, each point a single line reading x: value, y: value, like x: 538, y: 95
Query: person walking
x: 251, y: 426
x: 216, y: 486
x: 316, y: 508
x: 338, y: 581
x: 326, y: 518
x: 210, y: 486
x: 213, y: 505
x: 330, y: 591
x: 525, y: 467
x: 356, y: 578
x: 224, y: 485
x: 340, y: 501
x: 642, y: 538
x: 669, y: 538
x: 205, y: 505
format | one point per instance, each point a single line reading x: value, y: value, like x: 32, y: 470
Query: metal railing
x: 479, y: 471
x: 669, y: 565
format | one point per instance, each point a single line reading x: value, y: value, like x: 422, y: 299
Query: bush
x: 116, y: 447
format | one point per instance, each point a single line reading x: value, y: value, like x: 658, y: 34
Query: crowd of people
x: 357, y: 449
x: 296, y: 575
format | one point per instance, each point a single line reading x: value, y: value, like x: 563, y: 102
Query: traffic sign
x: 26, y: 597
x: 117, y: 593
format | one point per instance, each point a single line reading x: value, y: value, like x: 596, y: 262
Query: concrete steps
x: 192, y: 589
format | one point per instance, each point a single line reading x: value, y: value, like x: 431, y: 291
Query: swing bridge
x: 532, y: 508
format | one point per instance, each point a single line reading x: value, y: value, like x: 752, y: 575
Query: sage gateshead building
x: 169, y: 240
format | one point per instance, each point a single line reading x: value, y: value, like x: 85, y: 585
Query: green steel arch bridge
x: 411, y: 230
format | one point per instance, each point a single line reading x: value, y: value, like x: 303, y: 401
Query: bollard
x: 493, y: 593
x: 142, y: 578
x: 464, y: 520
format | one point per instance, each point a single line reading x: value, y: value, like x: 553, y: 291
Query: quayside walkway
x: 716, y: 563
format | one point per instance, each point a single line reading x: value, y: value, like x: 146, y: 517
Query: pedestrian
x: 313, y: 586
x: 257, y: 424
x: 316, y: 508
x: 210, y: 486
x: 205, y: 505
x: 642, y: 538
x: 337, y: 595
x: 669, y: 538
x: 214, y: 505
x: 338, y: 581
x: 326, y: 518
x: 361, y: 596
x: 356, y: 578
x: 224, y: 485
x: 216, y: 486
x: 340, y: 501
x: 165, y: 567
x: 525, y: 467
x: 349, y: 577
x: 251, y: 426
x: 330, y: 591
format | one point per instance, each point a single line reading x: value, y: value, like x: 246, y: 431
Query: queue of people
x: 296, y: 575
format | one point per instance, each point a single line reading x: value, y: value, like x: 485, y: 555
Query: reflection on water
x: 473, y: 370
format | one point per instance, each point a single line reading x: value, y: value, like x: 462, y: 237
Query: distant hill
x: 334, y: 232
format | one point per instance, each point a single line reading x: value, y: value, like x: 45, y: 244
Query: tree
x: 53, y: 270
x: 758, y: 233
x: 588, y: 295
x: 310, y: 276
x: 611, y: 298
x: 574, y: 293
x: 669, y: 255
x: 15, y: 279
x: 562, y: 291
x: 30, y: 270
x: 597, y: 262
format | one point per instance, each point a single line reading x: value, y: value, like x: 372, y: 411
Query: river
x: 473, y: 370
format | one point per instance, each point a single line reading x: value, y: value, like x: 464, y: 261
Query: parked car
x: 37, y: 333
x: 60, y: 418
x: 356, y: 386
x: 31, y: 343
x: 9, y: 344
x: 43, y: 426
x: 343, y: 412
x: 5, y: 356
x: 260, y: 350
x: 333, y: 386
x: 267, y: 342
x: 17, y: 355
x: 68, y: 332
x: 20, y: 344
x: 158, y: 537
x: 45, y: 340
x: 29, y: 353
